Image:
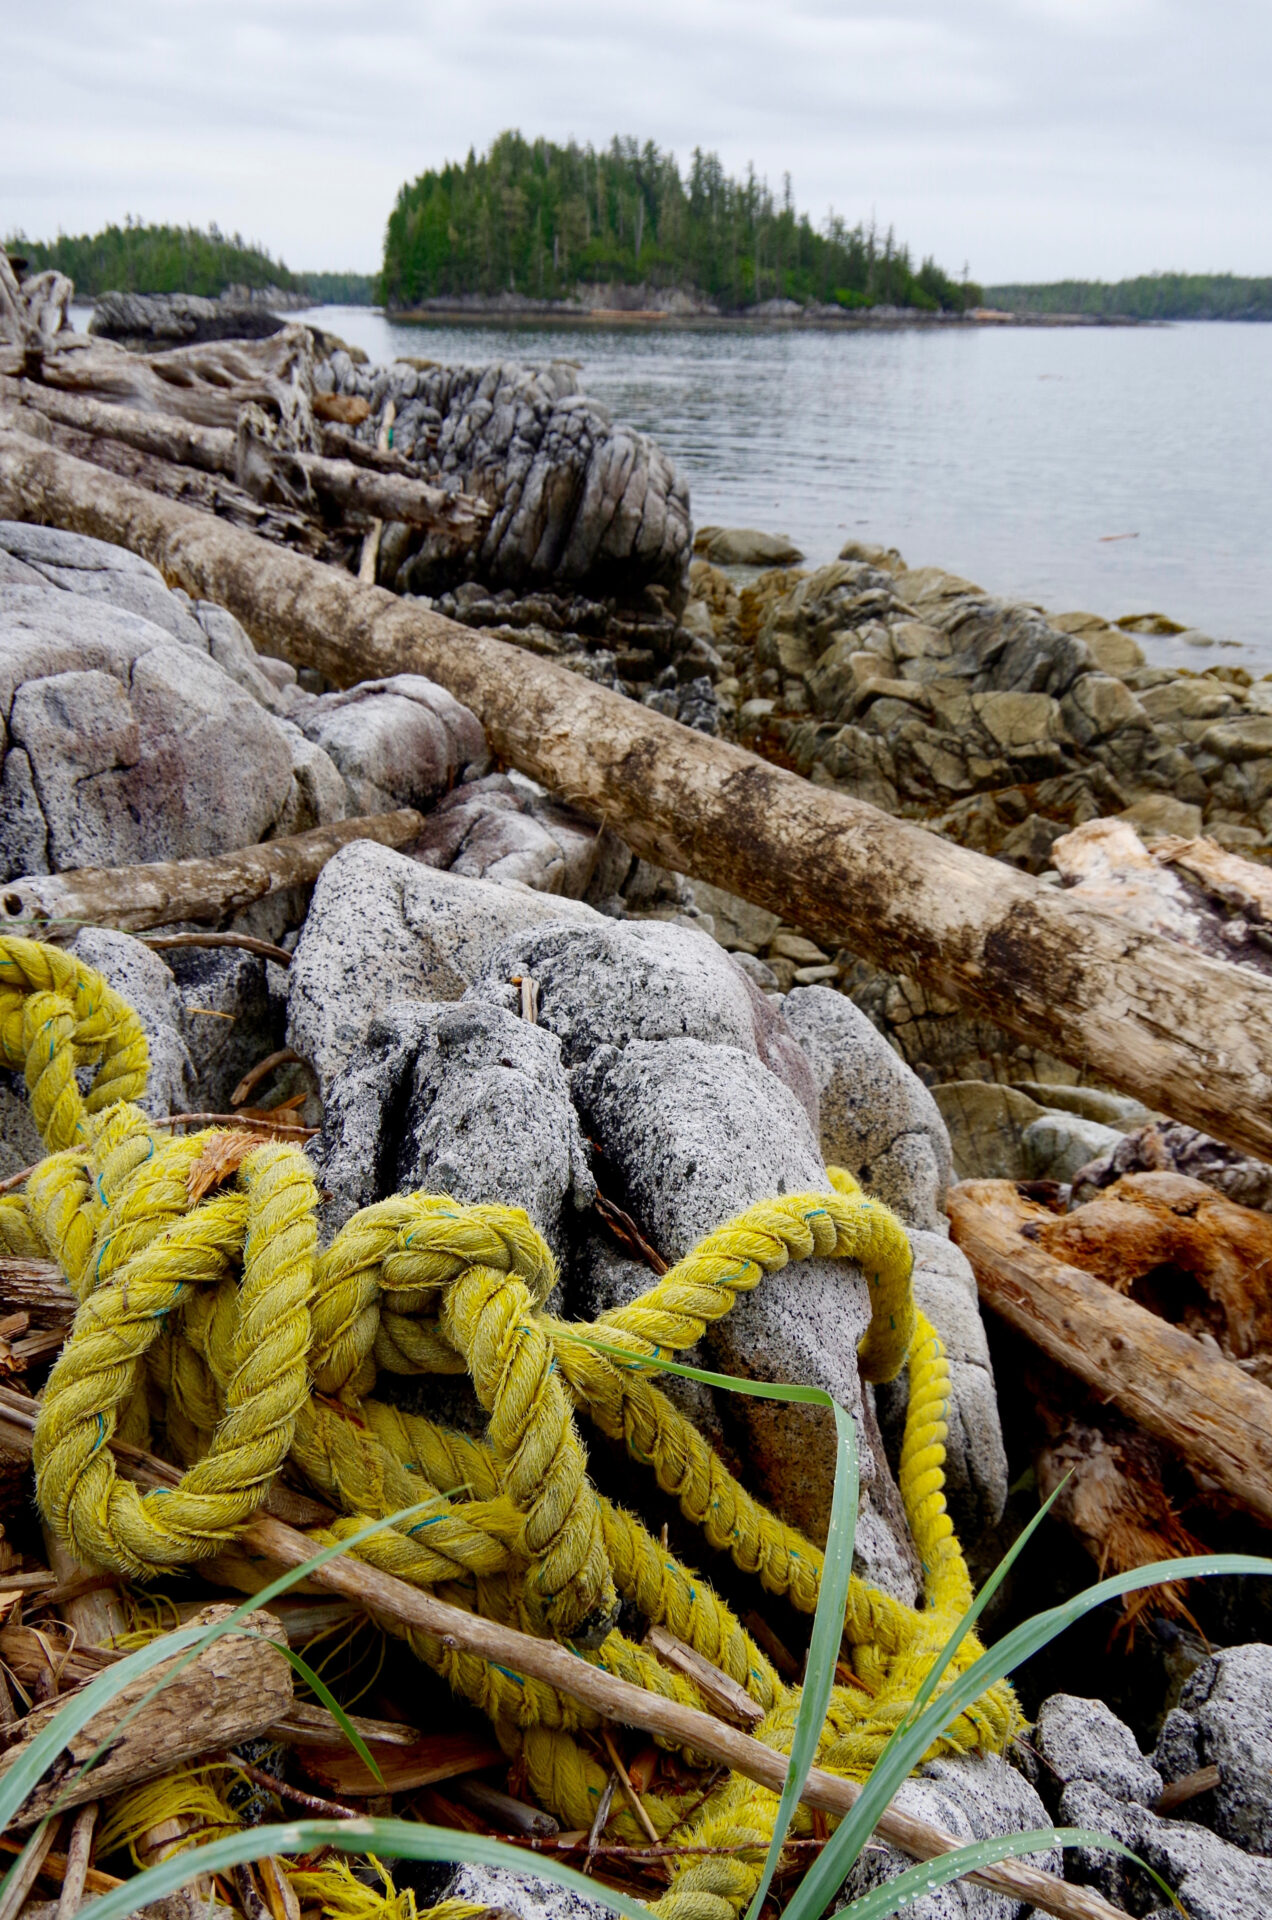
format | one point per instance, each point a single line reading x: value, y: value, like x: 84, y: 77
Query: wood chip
x: 721, y: 1694
x: 433, y: 1757
x: 221, y: 1156
x: 1181, y: 1791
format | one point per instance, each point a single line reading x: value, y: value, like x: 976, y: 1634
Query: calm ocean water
x: 1014, y: 456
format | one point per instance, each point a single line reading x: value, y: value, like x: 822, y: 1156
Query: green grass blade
x: 904, y: 1753
x: 895, y: 1895
x: 21, y: 1779
x: 818, y: 1884
x: 730, y: 1382
x: 389, y: 1839
x: 327, y: 1698
x: 824, y: 1643
x: 832, y: 1598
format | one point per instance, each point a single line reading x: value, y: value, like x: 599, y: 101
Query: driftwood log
x: 1191, y: 1035
x: 234, y: 1690
x: 167, y: 891
x: 257, y: 465
x: 1200, y: 1405
x: 559, y: 1666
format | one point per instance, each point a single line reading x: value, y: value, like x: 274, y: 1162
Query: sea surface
x: 1118, y: 470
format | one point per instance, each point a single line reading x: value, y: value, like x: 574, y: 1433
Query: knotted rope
x: 222, y: 1323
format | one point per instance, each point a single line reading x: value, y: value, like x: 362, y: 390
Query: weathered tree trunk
x: 232, y: 1691
x: 256, y: 464
x: 1190, y: 1035
x: 1199, y: 1404
x: 133, y: 898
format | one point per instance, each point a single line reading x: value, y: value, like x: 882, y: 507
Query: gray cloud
x: 1030, y: 138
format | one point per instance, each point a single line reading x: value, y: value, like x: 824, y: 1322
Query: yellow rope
x: 256, y: 1349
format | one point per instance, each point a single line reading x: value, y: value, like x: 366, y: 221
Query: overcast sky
x: 1033, y: 139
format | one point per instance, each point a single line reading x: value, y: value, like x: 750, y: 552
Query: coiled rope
x: 222, y: 1325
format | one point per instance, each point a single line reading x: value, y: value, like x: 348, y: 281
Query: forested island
x: 140, y: 258
x: 539, y: 221
x: 1151, y: 296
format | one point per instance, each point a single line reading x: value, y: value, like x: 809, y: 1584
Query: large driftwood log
x: 257, y: 465
x: 132, y: 898
x: 1201, y: 1405
x: 614, y: 1699
x: 234, y: 1690
x: 207, y: 384
x: 1190, y: 1035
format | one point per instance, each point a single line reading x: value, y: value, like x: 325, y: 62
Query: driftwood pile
x: 233, y: 427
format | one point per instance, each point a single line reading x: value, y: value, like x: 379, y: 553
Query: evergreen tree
x: 538, y: 219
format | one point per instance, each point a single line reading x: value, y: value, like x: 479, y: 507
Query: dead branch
x: 169, y: 891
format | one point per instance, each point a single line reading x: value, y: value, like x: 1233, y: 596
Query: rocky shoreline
x: 706, y: 1053
x: 627, y: 305
x: 513, y: 1009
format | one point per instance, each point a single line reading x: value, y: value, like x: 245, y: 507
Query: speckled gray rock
x: 1214, y: 1879
x: 398, y: 742
x: 93, y: 568
x: 500, y: 1890
x: 877, y: 1117
x: 363, y: 1105
x: 653, y: 981
x: 468, y: 1100
x: 272, y: 682
x: 149, y: 988
x: 124, y: 740
x: 20, y: 1143
x: 880, y: 1121
x: 382, y: 928
x: 974, y: 1797
x: 228, y: 1019
x: 1080, y: 1739
x: 1057, y: 1144
x: 1224, y: 1719
x: 504, y: 827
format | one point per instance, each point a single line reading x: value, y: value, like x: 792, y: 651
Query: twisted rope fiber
x: 256, y: 1349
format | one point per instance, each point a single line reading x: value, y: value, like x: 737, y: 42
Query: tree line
x: 1151, y: 296
x: 139, y: 258
x: 537, y: 219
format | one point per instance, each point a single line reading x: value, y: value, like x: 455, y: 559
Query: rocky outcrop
x: 696, y: 1097
x: 181, y: 319
x: 1213, y: 1855
x: 994, y: 722
x: 139, y: 726
x: 576, y: 499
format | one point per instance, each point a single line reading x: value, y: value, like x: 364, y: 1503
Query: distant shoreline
x: 529, y: 314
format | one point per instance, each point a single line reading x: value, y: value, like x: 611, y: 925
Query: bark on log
x: 132, y: 898
x: 350, y: 488
x: 233, y: 1691
x: 1187, y: 1034
x: 613, y: 1699
x: 1198, y: 1403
